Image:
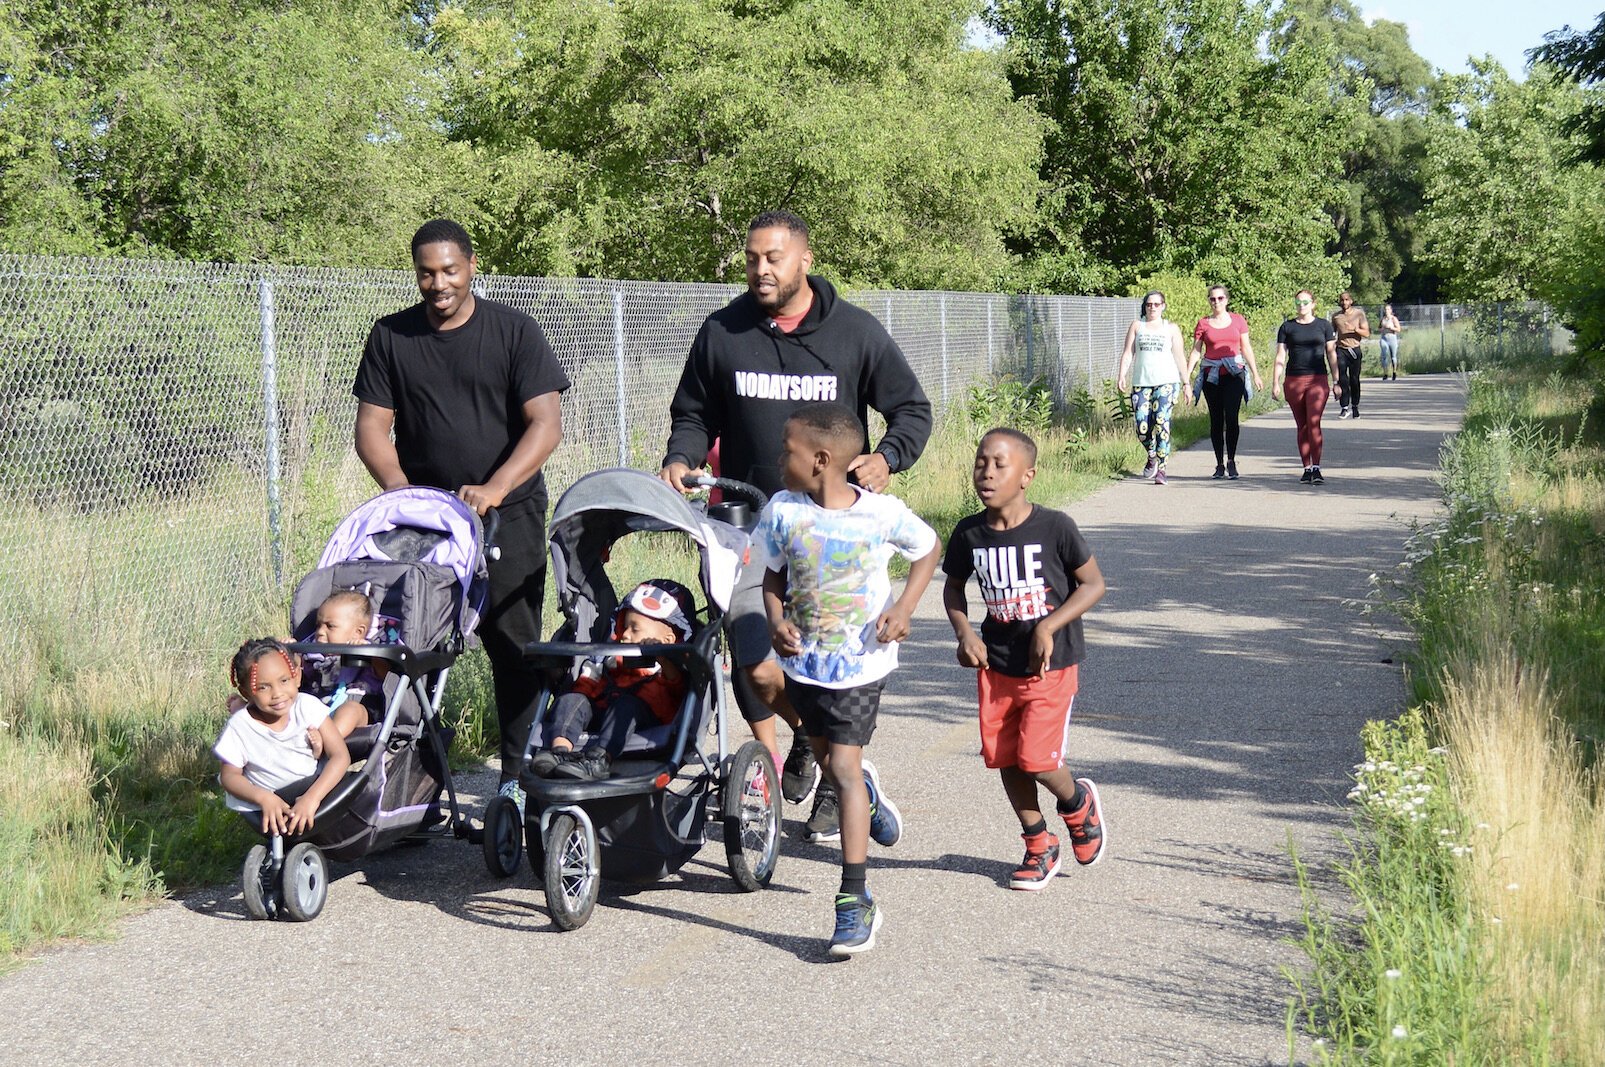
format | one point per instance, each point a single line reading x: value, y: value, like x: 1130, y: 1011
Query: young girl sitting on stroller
x: 265, y: 748
x: 616, y: 698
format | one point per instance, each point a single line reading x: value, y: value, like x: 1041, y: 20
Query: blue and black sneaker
x: 857, y: 919
x: 885, y: 821
x: 515, y: 792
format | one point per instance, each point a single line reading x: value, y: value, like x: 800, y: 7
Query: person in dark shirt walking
x: 789, y: 340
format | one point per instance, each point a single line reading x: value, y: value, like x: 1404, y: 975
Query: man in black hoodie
x: 787, y: 341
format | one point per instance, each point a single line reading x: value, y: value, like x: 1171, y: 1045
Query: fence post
x: 1500, y: 311
x: 989, y: 370
x: 1089, y: 348
x: 1440, y: 333
x: 618, y: 377
x: 270, y: 425
x: 942, y: 305
x: 1030, y: 344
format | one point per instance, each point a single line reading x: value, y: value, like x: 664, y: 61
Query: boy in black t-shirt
x: 1038, y: 577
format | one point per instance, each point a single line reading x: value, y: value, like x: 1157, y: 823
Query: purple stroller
x: 419, y: 555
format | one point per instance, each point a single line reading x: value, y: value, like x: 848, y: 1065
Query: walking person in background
x: 1153, y: 366
x: 1352, y: 327
x: 789, y: 339
x: 1390, y: 343
x: 470, y: 388
x: 1306, y: 352
x: 1224, y: 358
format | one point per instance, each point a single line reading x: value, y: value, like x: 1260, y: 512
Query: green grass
x: 1488, y: 898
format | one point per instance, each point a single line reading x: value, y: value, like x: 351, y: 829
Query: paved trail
x: 1227, y: 679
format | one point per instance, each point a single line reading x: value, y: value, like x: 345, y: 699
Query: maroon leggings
x: 1306, y: 395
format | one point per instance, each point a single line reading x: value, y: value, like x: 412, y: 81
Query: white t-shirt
x: 835, y: 565
x: 269, y: 759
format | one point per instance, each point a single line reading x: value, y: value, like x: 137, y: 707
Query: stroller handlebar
x: 752, y: 493
x: 493, y: 523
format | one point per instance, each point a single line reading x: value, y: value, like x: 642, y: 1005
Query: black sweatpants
x: 512, y: 619
x: 1348, y: 360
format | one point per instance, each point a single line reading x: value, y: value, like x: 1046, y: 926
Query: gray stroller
x: 650, y: 815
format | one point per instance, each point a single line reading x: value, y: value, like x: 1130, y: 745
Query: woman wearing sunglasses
x: 1306, y: 353
x: 1225, y: 361
x: 1152, y: 368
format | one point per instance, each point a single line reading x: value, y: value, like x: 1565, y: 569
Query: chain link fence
x: 175, y: 438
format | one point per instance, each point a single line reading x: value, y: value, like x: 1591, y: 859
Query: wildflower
x: 1438, y: 750
x: 1484, y: 826
x: 1513, y: 886
x: 1399, y: 1031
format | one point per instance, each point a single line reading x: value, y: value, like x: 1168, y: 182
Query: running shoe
x: 1308, y: 476
x: 1343, y: 413
x: 1086, y: 825
x: 1159, y: 476
x: 1231, y: 469
x: 1316, y: 476
x: 885, y: 821
x: 1148, y: 471
x: 824, y: 823
x: 544, y: 762
x: 857, y: 919
x: 1220, y: 471
x: 1040, y: 864
x: 801, y: 773
x: 1354, y: 414
x: 515, y: 792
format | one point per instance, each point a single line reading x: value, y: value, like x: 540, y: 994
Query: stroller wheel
x: 573, y: 878
x: 504, y: 837
x: 306, y: 882
x: 750, y: 809
x: 251, y: 882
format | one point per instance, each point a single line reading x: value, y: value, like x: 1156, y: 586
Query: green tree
x: 1380, y: 90
x: 1176, y: 144
x: 297, y: 131
x: 637, y: 138
x: 1503, y: 209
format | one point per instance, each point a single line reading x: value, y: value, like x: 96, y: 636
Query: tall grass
x: 1500, y: 876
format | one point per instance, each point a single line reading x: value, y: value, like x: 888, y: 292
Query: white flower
x: 1399, y: 1031
x: 1484, y: 826
x: 1513, y: 886
x: 1392, y: 972
x: 1438, y: 751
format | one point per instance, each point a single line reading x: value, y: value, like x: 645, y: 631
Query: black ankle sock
x: 1075, y: 802
x: 853, y: 878
x: 1040, y: 826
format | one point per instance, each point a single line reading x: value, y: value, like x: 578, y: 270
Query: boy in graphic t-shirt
x: 1038, y: 578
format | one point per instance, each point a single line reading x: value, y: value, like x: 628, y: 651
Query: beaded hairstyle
x: 243, y: 666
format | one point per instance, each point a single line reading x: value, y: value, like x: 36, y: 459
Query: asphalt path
x: 1228, y: 673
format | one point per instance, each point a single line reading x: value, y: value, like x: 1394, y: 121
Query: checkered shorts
x: 840, y: 716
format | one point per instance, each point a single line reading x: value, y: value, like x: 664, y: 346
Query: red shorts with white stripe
x: 1024, y: 721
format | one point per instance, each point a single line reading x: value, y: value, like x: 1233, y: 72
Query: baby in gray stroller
x: 613, y: 699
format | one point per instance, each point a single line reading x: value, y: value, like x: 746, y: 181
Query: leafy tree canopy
x: 638, y: 137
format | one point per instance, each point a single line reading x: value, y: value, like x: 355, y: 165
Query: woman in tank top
x: 1390, y: 343
x: 1152, y: 366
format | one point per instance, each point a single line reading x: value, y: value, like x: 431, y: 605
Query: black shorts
x: 840, y: 716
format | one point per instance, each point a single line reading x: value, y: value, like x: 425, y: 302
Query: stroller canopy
x: 604, y: 506
x: 417, y: 524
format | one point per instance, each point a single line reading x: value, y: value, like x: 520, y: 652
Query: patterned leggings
x: 1151, y: 406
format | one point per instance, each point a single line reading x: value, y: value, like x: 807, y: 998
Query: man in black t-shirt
x: 471, y: 387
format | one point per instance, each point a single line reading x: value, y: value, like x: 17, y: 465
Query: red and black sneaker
x: 1088, y: 831
x: 1040, y: 864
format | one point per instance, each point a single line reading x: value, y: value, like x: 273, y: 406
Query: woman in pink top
x: 1224, y: 359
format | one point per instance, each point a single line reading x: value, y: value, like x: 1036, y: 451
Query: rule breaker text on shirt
x: 1011, y: 582
x: 765, y: 386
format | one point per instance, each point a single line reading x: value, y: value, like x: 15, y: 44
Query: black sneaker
x: 801, y: 773
x: 1231, y: 469
x: 1308, y: 476
x: 1354, y: 413
x: 544, y: 762
x: 1220, y: 471
x: 591, y: 765
x: 1315, y: 476
x: 824, y: 824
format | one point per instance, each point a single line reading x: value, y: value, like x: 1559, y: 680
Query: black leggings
x: 1225, y: 399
